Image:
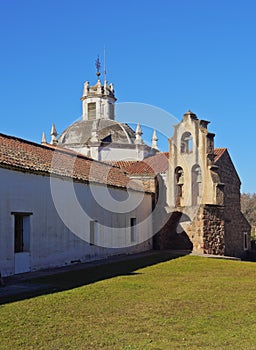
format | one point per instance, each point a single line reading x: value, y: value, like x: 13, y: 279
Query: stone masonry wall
x: 206, y: 231
x: 235, y: 222
x: 195, y: 231
x: 209, y: 228
x: 171, y: 235
x: 199, y: 229
x: 213, y: 222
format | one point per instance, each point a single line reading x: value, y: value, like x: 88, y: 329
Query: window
x: 186, y: 145
x: 21, y: 232
x: 92, y: 110
x: 179, y: 177
x: 107, y: 139
x: 245, y: 234
x: 133, y: 229
x: 196, y: 176
x: 93, y: 232
x: 111, y: 111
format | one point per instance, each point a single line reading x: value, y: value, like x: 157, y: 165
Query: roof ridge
x: 21, y: 139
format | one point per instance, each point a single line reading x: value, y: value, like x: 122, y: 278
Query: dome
x: 80, y: 133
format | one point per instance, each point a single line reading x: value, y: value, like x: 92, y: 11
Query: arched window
x: 186, y: 145
x: 196, y: 190
x: 179, y: 178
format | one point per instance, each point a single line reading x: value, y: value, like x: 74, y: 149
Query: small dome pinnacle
x: 54, y: 135
x: 43, y: 139
x: 154, y: 140
x: 138, y: 130
x: 54, y: 131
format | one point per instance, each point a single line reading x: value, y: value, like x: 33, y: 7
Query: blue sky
x: 175, y: 55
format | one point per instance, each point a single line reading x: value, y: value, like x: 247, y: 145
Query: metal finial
x: 98, y: 65
x: 105, y: 71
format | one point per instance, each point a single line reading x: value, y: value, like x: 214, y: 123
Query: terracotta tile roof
x: 123, y: 164
x: 150, y: 166
x: 155, y: 164
x: 22, y: 155
x: 28, y: 156
x: 218, y: 152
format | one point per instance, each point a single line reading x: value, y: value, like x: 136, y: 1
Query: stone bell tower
x: 195, y: 192
x: 192, y: 180
x: 98, y: 101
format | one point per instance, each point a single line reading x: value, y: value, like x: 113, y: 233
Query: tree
x: 248, y: 207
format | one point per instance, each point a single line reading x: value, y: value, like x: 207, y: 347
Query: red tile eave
x: 28, y: 156
x: 23, y: 155
x: 218, y: 153
x: 150, y: 166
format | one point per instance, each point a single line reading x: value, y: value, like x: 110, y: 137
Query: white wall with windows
x: 43, y: 227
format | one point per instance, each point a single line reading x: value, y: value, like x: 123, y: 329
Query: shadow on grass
x: 80, y: 275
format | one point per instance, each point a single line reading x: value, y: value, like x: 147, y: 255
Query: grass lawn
x: 185, y: 303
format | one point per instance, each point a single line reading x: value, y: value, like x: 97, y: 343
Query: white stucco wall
x: 60, y: 228
x: 110, y: 153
